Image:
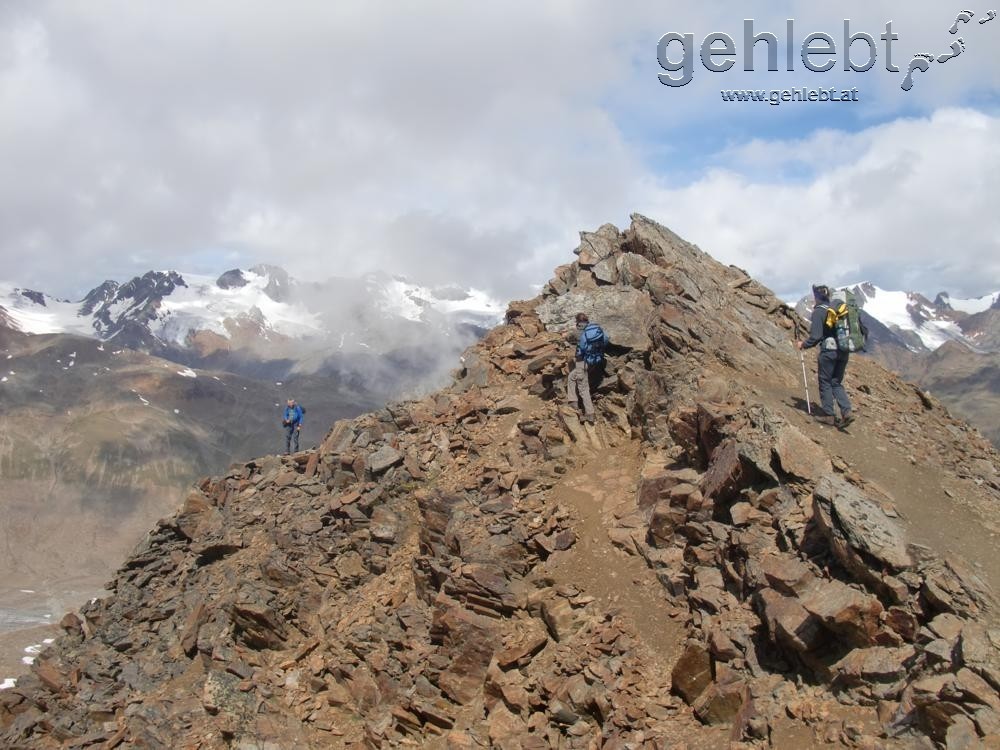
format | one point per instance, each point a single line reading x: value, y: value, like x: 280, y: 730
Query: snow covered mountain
x: 911, y: 320
x: 969, y: 306
x: 261, y: 310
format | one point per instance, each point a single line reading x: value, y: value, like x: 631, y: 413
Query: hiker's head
x: 582, y: 320
x: 821, y: 292
x: 291, y: 402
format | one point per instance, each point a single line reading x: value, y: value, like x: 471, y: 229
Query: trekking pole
x: 802, y: 359
x: 805, y: 382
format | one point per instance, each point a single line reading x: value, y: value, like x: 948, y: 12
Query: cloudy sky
x: 469, y: 142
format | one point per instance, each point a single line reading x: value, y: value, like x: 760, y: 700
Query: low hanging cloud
x: 314, y: 136
x: 463, y: 143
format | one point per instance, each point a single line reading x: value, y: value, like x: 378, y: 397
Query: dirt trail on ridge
x: 953, y: 525
x: 595, y: 491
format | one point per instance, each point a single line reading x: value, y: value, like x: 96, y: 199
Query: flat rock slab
x: 384, y: 459
x: 800, y: 456
x: 621, y: 311
x: 863, y: 523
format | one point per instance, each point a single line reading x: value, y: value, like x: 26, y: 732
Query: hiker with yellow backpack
x: 837, y: 329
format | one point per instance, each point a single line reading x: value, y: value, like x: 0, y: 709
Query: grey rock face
x: 623, y: 312
x: 384, y: 459
x: 861, y: 523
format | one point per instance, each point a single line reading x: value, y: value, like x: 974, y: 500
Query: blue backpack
x: 593, y: 342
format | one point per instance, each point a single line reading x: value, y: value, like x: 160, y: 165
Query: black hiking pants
x: 832, y: 364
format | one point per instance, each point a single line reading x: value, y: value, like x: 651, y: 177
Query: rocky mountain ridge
x: 96, y: 443
x: 111, y: 406
x: 479, y: 569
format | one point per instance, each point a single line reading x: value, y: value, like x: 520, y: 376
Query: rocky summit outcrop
x: 430, y: 576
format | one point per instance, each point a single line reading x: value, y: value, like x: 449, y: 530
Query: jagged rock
x: 875, y: 664
x: 961, y: 734
x: 800, y: 456
x: 531, y: 640
x: 979, y: 650
x: 975, y: 689
x: 722, y: 701
x: 860, y: 523
x: 256, y: 623
x: 789, y: 624
x: 561, y: 617
x: 949, y: 590
x: 596, y: 246
x: 844, y: 611
x: 947, y: 626
x: 384, y: 525
x: 363, y: 689
x: 504, y: 728
x: 729, y: 472
x: 50, y: 676
x: 384, y: 459
x: 787, y: 574
x: 606, y: 271
x: 692, y: 673
x: 722, y: 647
x: 664, y: 521
x: 470, y: 639
x: 635, y: 270
x: 656, y: 482
x: 195, y: 619
x: 623, y: 313
x: 903, y: 622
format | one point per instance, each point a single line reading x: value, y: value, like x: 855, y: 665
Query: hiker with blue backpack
x: 837, y: 329
x: 588, y: 365
x: 291, y: 420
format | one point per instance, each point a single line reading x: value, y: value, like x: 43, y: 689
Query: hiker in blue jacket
x: 588, y: 364
x: 292, y: 422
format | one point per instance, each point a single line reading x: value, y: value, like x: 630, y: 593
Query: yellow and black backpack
x: 843, y: 317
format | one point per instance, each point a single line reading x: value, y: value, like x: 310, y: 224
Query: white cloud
x: 449, y: 141
x: 907, y: 204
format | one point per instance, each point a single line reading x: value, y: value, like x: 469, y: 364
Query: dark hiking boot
x: 827, y: 419
x: 589, y: 419
x: 846, y: 420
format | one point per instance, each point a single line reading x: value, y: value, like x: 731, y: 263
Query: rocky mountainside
x: 111, y: 406
x: 706, y: 567
x: 967, y: 381
x: 96, y: 443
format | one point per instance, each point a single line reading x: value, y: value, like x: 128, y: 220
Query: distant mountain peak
x: 37, y: 297
x: 98, y: 296
x: 232, y: 279
x: 279, y: 284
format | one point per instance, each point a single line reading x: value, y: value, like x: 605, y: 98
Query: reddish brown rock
x: 800, y: 456
x: 470, y: 640
x: 845, y: 611
x: 692, y: 673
